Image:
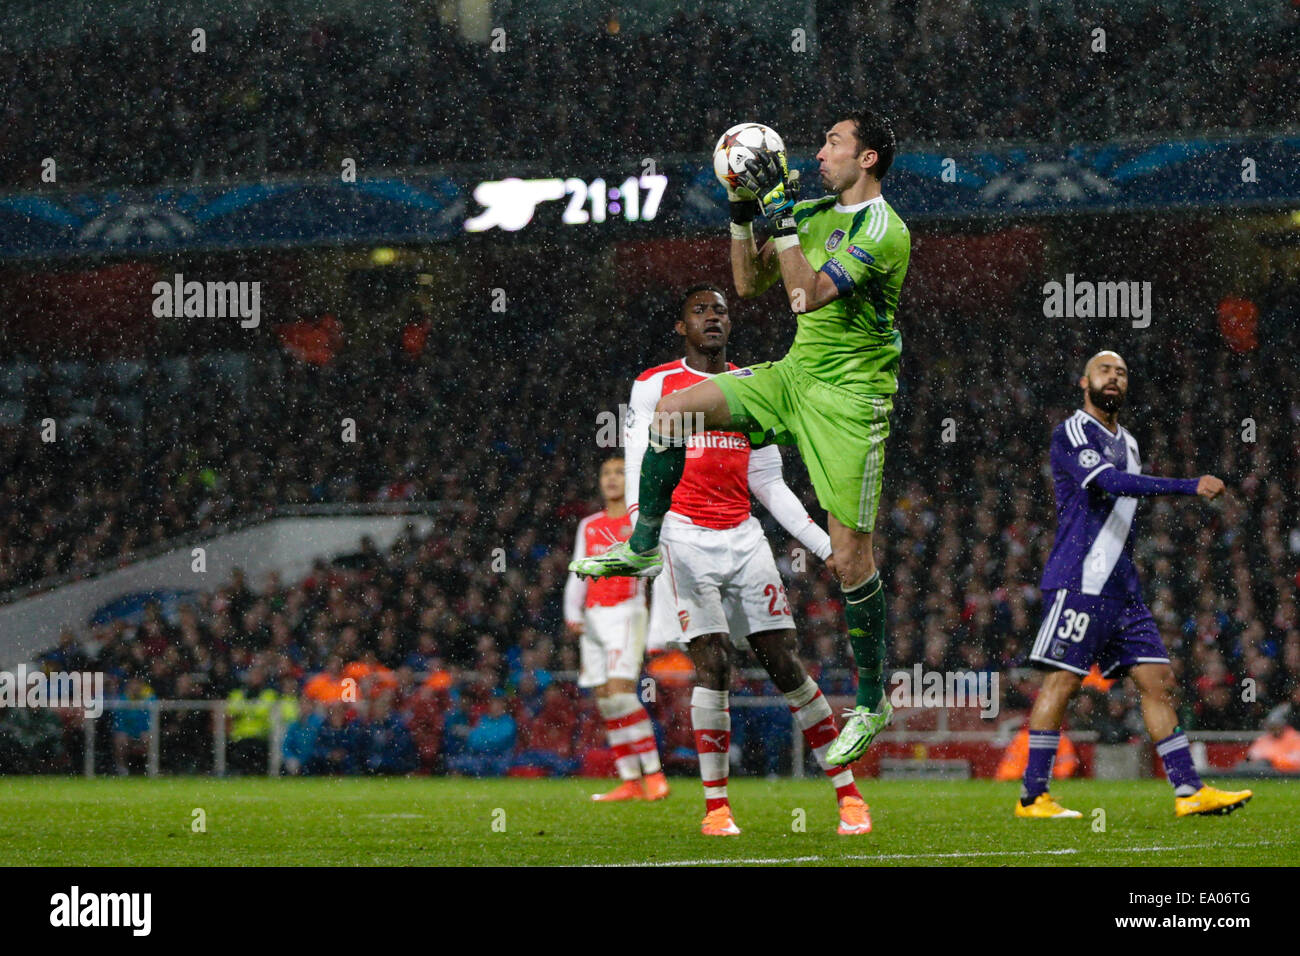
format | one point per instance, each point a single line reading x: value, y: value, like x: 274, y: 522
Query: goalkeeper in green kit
x: 842, y: 259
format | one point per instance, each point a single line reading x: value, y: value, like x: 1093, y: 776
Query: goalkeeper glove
x: 743, y: 210
x: 769, y: 177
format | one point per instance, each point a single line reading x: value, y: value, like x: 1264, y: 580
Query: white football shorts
x: 716, y: 582
x: 613, y: 642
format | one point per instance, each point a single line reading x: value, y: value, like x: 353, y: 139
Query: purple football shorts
x: 1080, y: 630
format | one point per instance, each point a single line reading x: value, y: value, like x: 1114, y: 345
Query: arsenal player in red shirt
x: 609, y: 616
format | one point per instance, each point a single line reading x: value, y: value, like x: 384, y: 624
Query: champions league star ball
x: 738, y: 144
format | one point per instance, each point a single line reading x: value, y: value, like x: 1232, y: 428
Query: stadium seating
x: 293, y: 95
x: 964, y: 528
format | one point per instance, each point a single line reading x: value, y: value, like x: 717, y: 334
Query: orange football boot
x: 627, y: 790
x: 719, y: 823
x: 855, y: 817
x: 656, y: 786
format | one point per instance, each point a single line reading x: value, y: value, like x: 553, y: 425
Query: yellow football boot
x: 1045, y: 808
x: 1211, y: 800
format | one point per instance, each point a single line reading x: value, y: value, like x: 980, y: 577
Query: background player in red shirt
x: 610, y: 616
x: 719, y: 580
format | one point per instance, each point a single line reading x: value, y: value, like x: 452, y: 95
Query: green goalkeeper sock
x: 661, y: 469
x: 864, y: 608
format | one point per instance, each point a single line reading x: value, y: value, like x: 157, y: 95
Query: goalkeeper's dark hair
x: 690, y: 291
x: 875, y: 132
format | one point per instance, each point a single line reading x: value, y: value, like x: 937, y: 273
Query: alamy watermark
x: 208, y: 300
x: 1098, y: 300
x: 921, y: 688
x: 614, y: 428
x: 65, y: 689
x: 75, y: 908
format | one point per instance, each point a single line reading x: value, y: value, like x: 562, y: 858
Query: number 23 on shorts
x: 775, y: 593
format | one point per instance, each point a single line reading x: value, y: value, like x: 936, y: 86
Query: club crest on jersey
x: 1088, y: 458
x: 835, y: 239
x: 685, y: 618
x: 857, y: 252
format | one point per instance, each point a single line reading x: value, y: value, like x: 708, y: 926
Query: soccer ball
x: 738, y: 144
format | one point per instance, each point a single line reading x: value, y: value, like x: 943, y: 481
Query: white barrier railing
x: 220, y: 710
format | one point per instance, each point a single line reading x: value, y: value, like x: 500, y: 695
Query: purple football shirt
x: 1093, y: 550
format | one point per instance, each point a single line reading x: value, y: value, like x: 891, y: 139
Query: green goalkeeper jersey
x: 851, y: 342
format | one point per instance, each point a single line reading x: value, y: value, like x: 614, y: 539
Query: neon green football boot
x: 619, y: 561
x: 861, y: 726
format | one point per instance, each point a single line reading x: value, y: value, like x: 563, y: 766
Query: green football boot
x: 861, y: 726
x: 619, y: 561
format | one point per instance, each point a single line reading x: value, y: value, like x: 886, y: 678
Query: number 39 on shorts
x: 1074, y: 626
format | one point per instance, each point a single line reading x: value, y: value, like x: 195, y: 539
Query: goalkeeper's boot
x: 619, y: 561
x: 1045, y: 808
x: 855, y: 817
x: 1211, y: 801
x: 718, y: 822
x: 656, y: 786
x: 861, y: 726
x: 627, y: 790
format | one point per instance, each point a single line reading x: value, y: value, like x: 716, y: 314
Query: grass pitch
x: 434, y: 821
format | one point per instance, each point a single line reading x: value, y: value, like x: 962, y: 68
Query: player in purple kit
x: 1093, y: 612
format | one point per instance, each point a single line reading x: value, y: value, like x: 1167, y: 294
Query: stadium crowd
x: 288, y: 96
x: 461, y: 663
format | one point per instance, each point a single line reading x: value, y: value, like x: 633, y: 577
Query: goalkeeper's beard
x: 1107, y: 401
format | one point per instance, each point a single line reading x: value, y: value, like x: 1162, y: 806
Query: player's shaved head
x: 1105, y: 381
x: 1107, y: 353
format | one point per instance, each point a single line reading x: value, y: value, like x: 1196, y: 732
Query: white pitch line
x: 913, y: 856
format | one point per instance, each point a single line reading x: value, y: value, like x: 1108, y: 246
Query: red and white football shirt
x: 597, y: 533
x: 714, y: 490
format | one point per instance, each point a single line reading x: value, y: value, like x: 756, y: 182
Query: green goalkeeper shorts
x: 840, y: 434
